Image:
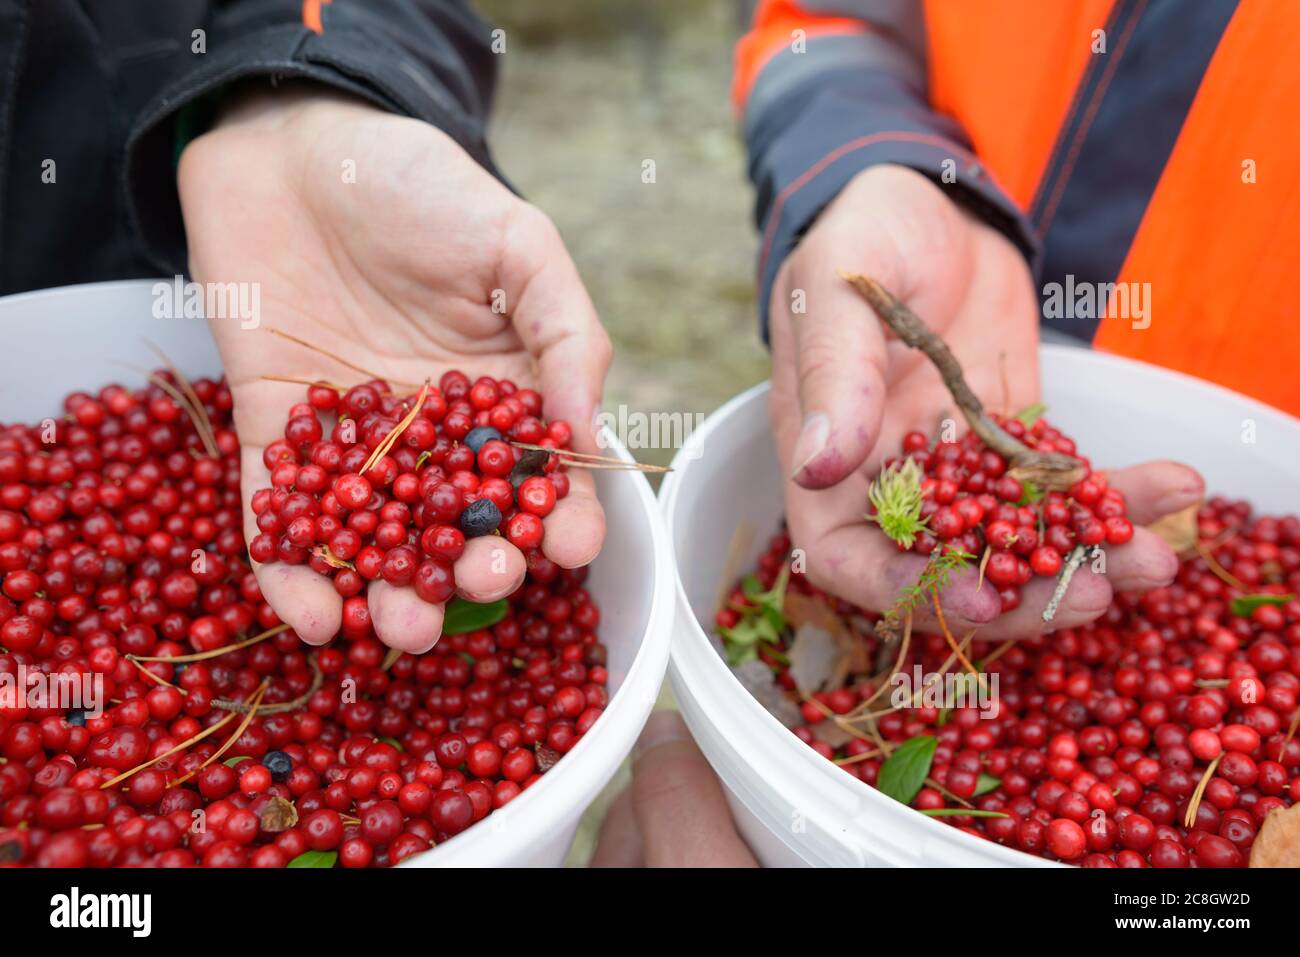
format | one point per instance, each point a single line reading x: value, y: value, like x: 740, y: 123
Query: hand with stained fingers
x: 674, y: 813
x: 417, y: 263
x: 845, y: 392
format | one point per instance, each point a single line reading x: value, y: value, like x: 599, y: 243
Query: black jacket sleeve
x: 427, y: 59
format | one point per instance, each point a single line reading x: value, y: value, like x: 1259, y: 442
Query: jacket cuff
x: 343, y: 59
x: 804, y: 168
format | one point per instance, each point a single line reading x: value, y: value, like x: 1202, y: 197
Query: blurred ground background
x: 590, y: 90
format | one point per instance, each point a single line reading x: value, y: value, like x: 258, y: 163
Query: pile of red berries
x: 971, y: 502
x: 121, y: 544
x: 1101, y: 735
x: 356, y: 513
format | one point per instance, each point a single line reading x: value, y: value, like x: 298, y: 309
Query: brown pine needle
x: 200, y: 414
x: 948, y: 794
x: 898, y: 664
x: 296, y: 380
x: 997, y: 653
x: 1290, y: 733
x: 952, y: 642
x: 230, y: 741
x: 1221, y: 573
x: 384, y: 447
x: 337, y: 358
x: 153, y: 677
x: 317, y: 680
x: 202, y: 427
x: 586, y: 460
x: 330, y: 559
x: 984, y: 563
x: 188, y: 742
x: 1194, y: 804
x: 855, y: 758
x: 390, y: 658
x: 215, y: 652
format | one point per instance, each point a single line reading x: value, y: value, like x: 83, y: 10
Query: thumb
x: 839, y: 359
x: 556, y: 321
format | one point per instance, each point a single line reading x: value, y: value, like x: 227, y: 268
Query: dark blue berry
x: 480, y: 518
x: 279, y: 764
x: 76, y: 718
x: 479, y: 437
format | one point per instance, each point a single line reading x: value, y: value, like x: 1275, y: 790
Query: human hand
x: 673, y: 814
x: 397, y: 270
x: 844, y: 393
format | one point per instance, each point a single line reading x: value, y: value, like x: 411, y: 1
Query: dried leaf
x: 1178, y: 529
x: 854, y: 653
x: 278, y: 814
x: 757, y: 678
x: 546, y: 758
x: 833, y: 733
x: 814, y: 658
x: 532, y: 462
x: 1278, y: 841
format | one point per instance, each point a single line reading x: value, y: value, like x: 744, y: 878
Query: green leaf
x: 905, y: 771
x: 315, y: 859
x: 1030, y: 493
x: 463, y: 616
x: 394, y: 742
x: 959, y: 812
x: 1031, y: 414
x: 762, y: 621
x: 1243, y: 606
x: 231, y: 762
x: 986, y: 783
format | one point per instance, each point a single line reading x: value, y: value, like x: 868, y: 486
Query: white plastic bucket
x: 794, y: 807
x: 82, y: 337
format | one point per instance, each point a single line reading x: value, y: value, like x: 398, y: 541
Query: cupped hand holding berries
x: 378, y: 239
x: 845, y: 392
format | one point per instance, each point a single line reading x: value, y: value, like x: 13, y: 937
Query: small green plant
x: 897, y: 498
x: 761, y: 622
x: 935, y: 576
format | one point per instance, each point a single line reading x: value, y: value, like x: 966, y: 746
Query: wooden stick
x: 1047, y: 470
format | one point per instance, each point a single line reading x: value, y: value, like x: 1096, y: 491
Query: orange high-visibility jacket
x: 1146, y: 142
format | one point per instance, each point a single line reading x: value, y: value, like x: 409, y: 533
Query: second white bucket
x: 794, y: 807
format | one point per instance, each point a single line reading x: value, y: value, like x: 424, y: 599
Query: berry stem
x: 1049, y: 470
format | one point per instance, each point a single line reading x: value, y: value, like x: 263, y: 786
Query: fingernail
x: 1179, y: 499
x: 664, y: 727
x: 812, y: 440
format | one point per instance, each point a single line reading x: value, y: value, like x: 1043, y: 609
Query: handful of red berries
x: 970, y: 499
x: 401, y: 482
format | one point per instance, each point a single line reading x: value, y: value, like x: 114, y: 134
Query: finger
x: 402, y: 619
x: 681, y: 812
x: 1157, y: 488
x: 619, y: 844
x: 855, y: 561
x: 1087, y: 598
x: 1142, y: 563
x: 840, y: 365
x: 556, y: 322
x: 575, y: 528
x: 304, y: 600
x: 490, y: 568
